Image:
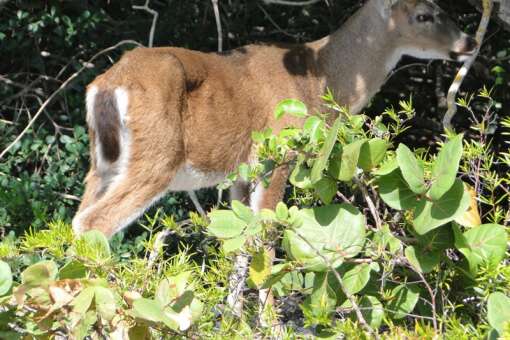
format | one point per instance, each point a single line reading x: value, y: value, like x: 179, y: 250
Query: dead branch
x: 459, y: 78
x: 155, y: 15
x: 218, y: 24
x: 60, y: 89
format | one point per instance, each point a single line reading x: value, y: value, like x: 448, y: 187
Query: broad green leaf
x: 5, y: 278
x: 171, y: 288
x: 326, y: 189
x: 242, y: 211
x: 334, y: 231
x: 498, y: 311
x: 147, y: 309
x: 278, y: 271
x: 82, y: 328
x: 292, y: 107
x: 225, y: 224
x: 372, y: 310
x: 395, y: 192
x: 260, y: 267
x: 429, y: 215
x: 321, y: 162
x: 445, y: 168
x: 485, y: 243
x: 234, y: 244
x: 282, y: 212
x: 39, y: 273
x: 314, y: 128
x: 372, y: 153
x: 387, y: 167
x: 72, y: 270
x: 244, y: 171
x: 301, y: 176
x: 106, y: 304
x: 403, y: 300
x: 422, y: 260
x: 343, y: 165
x: 384, y: 238
x: 411, y: 170
x: 83, y: 300
x: 322, y: 301
x: 356, y: 278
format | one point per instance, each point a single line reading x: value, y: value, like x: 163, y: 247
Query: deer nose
x: 470, y: 45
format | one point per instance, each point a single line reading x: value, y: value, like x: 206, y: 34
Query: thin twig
x: 62, y: 87
x: 291, y: 3
x: 218, y: 24
x: 370, y: 203
x: 155, y: 15
x: 459, y: 78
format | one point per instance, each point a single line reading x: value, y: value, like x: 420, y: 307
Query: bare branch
x: 459, y: 78
x: 218, y: 24
x: 291, y: 3
x: 60, y: 89
x: 155, y: 15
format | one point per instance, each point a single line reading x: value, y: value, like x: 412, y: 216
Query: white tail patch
x: 121, y: 95
x: 90, y: 99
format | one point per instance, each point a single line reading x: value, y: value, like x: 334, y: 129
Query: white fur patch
x: 188, y: 178
x: 121, y: 95
x: 90, y: 99
x: 413, y: 52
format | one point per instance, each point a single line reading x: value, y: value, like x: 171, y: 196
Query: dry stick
x: 155, y: 15
x: 291, y: 3
x: 459, y: 78
x: 349, y: 296
x: 218, y: 24
x: 62, y: 87
x: 370, y: 203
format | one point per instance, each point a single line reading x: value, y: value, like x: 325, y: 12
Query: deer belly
x: 189, y: 178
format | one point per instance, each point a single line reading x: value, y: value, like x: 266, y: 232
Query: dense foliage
x: 413, y: 221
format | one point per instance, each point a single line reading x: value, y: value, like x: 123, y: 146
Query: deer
x: 171, y: 119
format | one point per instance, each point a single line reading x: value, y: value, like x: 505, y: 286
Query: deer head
x: 424, y: 30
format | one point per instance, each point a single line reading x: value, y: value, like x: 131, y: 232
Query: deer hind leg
x: 268, y: 198
x: 133, y: 168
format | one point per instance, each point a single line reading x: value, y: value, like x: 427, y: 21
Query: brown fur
x: 193, y: 108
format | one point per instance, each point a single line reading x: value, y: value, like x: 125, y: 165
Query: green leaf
x: 242, y: 211
x: 395, y: 192
x: 260, y: 268
x: 293, y: 107
x: 485, y: 243
x: 445, y: 168
x: 334, y: 231
x: 412, y: 171
x: 372, y: 310
x: 372, y: 153
x: 322, y: 301
x: 320, y: 163
x: 147, y: 309
x: 106, y: 304
x: 234, y: 244
x: 5, y: 278
x: 403, y: 300
x: 301, y: 176
x: 430, y: 215
x: 40, y: 273
x: 498, y: 311
x: 326, y: 189
x: 314, y: 128
x: 343, y: 165
x: 244, y: 171
x: 422, y: 260
x: 225, y: 224
x: 282, y: 212
x: 72, y: 270
x: 171, y: 288
x: 356, y: 278
x: 83, y: 301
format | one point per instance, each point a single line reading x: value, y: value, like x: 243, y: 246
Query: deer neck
x: 355, y: 61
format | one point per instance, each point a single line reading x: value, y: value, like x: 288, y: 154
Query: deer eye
x: 425, y: 18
